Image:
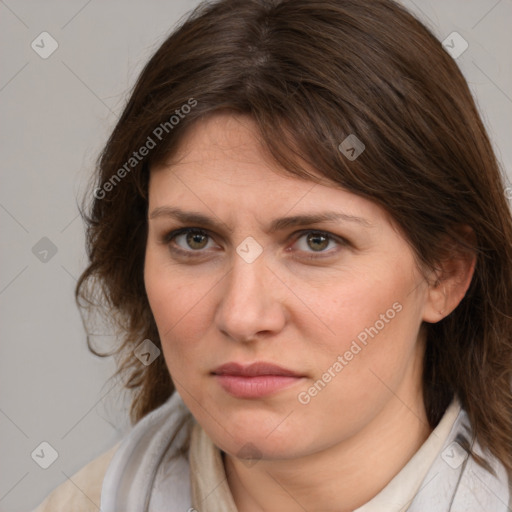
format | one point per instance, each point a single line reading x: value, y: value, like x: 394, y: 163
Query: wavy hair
x: 310, y: 73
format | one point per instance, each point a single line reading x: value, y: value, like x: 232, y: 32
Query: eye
x: 318, y: 242
x: 192, y: 242
x: 187, y: 241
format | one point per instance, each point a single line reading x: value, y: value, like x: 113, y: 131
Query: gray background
x: 56, y: 114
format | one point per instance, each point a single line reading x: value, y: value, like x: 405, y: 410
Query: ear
x: 451, y: 280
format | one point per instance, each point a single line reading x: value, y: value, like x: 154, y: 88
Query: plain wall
x: 56, y: 114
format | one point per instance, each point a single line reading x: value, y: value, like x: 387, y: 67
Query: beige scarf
x: 207, y: 473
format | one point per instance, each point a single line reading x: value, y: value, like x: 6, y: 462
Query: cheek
x: 354, y: 377
x: 372, y: 321
x: 180, y: 307
x: 361, y: 306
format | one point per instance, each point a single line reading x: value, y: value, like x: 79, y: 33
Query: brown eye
x: 317, y: 244
x: 196, y: 239
x: 317, y: 241
x: 187, y: 241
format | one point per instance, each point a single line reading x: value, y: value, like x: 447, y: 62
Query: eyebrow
x: 280, y: 224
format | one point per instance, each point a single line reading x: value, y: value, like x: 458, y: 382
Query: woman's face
x: 335, y: 303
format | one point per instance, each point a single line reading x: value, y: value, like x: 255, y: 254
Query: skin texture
x: 341, y: 448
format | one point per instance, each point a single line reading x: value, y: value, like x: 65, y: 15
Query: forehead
x: 221, y: 164
x: 228, y: 145
x: 226, y: 149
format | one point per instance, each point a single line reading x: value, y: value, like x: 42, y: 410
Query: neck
x: 341, y: 478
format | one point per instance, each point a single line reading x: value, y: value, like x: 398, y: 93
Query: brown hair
x: 310, y: 73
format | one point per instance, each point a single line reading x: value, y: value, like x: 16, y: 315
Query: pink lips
x: 255, y: 380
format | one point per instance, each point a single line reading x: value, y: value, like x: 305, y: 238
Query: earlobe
x: 436, y: 303
x: 451, y: 283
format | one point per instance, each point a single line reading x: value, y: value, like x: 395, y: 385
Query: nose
x: 251, y: 306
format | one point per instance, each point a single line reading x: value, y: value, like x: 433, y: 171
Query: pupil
x: 318, y: 238
x: 196, y: 238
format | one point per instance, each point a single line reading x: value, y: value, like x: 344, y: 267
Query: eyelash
x: 169, y: 237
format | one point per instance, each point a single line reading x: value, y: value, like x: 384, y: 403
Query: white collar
x: 150, y: 471
x: 400, y: 491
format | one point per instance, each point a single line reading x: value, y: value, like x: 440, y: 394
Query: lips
x: 256, y: 380
x: 254, y: 370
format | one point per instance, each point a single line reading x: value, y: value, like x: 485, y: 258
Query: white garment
x: 150, y: 472
x: 129, y: 484
x: 399, y: 493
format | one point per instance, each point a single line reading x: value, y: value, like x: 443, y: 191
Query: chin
x: 247, y: 435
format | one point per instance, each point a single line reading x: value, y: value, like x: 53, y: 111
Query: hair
x: 311, y: 73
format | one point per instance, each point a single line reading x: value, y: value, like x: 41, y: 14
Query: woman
x: 301, y: 230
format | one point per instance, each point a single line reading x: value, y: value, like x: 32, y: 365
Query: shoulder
x: 83, y: 490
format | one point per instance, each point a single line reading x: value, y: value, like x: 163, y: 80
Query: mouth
x: 255, y: 380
